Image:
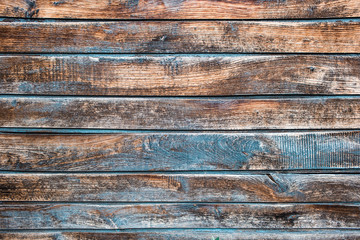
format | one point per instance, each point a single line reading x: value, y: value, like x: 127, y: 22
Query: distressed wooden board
x: 186, y: 234
x: 316, y: 36
x: 180, y: 113
x: 185, y: 9
x: 179, y: 75
x: 180, y: 151
x: 181, y: 187
x: 125, y: 216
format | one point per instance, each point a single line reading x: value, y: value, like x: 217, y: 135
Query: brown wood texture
x: 181, y: 187
x: 179, y: 75
x: 144, y: 132
x: 174, y: 9
x: 125, y: 216
x: 184, y: 234
x: 180, y: 151
x: 316, y: 36
x: 180, y: 113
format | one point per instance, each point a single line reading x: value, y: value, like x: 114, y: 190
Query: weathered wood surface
x: 180, y: 151
x: 181, y: 187
x: 174, y: 9
x: 326, y: 36
x: 125, y: 216
x: 186, y: 234
x: 180, y: 113
x: 179, y: 75
x: 321, y: 192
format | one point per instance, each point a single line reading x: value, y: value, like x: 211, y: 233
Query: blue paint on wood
x: 114, y: 150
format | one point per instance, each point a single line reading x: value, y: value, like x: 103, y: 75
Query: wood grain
x: 181, y: 187
x: 179, y: 70
x: 125, y: 216
x: 326, y: 36
x: 180, y: 151
x: 185, y: 234
x: 180, y: 113
x: 185, y: 9
x: 179, y: 75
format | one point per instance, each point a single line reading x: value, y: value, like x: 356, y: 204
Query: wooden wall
x: 179, y: 119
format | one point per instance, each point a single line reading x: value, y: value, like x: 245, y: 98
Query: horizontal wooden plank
x: 326, y: 36
x: 180, y: 151
x: 124, y: 216
x: 185, y: 234
x: 179, y: 75
x: 180, y: 113
x: 185, y: 9
x: 181, y: 187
